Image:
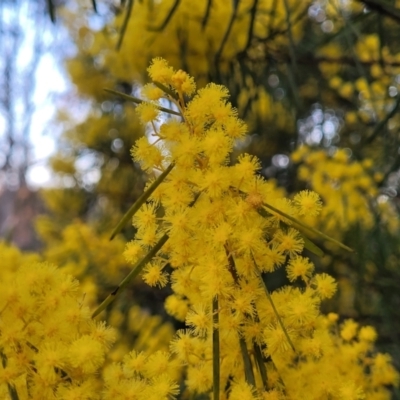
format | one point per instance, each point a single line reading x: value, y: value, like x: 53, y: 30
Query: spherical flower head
x: 341, y: 156
x: 146, y: 216
x: 215, y: 181
x: 153, y: 275
x: 289, y: 242
x: 235, y: 128
x: 133, y: 252
x: 183, y: 83
x: 51, y: 355
x: 302, y: 310
x: 176, y: 306
x: 325, y: 285
x: 199, y: 319
x: 299, y: 154
x: 134, y: 363
x: 307, y: 203
x: 102, y: 333
x: 332, y: 318
x: 349, y: 391
x: 183, y: 345
x: 276, y: 340
x: 242, y: 391
x: 160, y: 71
x: 86, y: 353
x: 152, y: 92
x: 216, y: 146
x: 348, y: 330
x: 147, y: 112
x: 299, y: 267
x: 246, y: 167
x: 367, y: 334
x: 162, y: 387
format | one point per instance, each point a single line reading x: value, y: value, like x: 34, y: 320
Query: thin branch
x: 253, y: 13
x: 216, y: 349
x: 140, y: 201
x: 383, y: 8
x: 136, y: 270
x: 383, y: 122
x: 52, y: 11
x: 167, y: 19
x: 139, y: 101
x: 125, y: 24
x: 206, y: 15
x: 218, y: 54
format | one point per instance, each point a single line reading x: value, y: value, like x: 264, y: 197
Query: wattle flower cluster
x: 348, y: 188
x: 219, y: 229
x: 50, y: 348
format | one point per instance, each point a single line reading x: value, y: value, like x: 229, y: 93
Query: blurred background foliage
x: 316, y: 81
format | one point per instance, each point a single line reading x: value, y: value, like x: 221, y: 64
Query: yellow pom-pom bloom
x: 307, y: 203
x: 300, y: 267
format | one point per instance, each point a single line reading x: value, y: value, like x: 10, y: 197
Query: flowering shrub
x: 213, y: 231
x: 49, y: 346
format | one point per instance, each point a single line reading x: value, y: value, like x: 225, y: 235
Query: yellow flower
x: 199, y: 319
x: 307, y: 203
x: 160, y: 71
x: 86, y: 353
x: 183, y: 83
x: 289, y: 242
x: 299, y: 267
x: 349, y: 330
x: 153, y: 275
x: 152, y: 92
x: 367, y: 334
x: 242, y: 391
x: 276, y: 340
x: 325, y: 285
x: 147, y: 112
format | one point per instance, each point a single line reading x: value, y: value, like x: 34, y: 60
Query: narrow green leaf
x: 248, y: 368
x: 139, y: 101
x: 216, y: 349
x: 136, y: 270
x: 309, y: 245
x: 261, y: 366
x: 309, y: 228
x: 166, y: 90
x: 140, y: 201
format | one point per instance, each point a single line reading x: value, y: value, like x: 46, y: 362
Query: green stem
x: 140, y: 101
x: 216, y: 350
x: 137, y: 269
x: 140, y: 201
x: 248, y: 368
x: 274, y: 308
x: 125, y: 24
x: 261, y: 366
